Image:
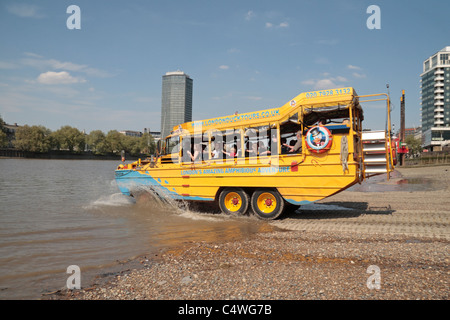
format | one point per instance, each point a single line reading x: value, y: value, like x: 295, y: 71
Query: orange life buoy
x: 318, y: 139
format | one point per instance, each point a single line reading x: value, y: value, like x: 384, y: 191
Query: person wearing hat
x: 316, y: 137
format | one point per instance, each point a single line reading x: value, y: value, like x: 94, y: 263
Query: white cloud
x: 55, y: 64
x: 355, y: 74
x: 62, y: 77
x: 34, y: 55
x: 224, y: 67
x: 309, y: 82
x: 351, y: 67
x: 36, y: 61
x: 341, y: 79
x: 359, y: 75
x: 7, y: 65
x: 322, y: 60
x: 325, y: 83
x: 25, y: 10
x: 270, y: 25
x: 250, y: 15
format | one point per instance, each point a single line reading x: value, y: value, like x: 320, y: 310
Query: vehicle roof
x: 305, y: 102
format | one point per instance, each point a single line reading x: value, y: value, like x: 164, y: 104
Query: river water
x: 58, y: 213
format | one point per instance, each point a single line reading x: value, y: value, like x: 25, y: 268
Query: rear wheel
x: 233, y: 200
x: 267, y: 204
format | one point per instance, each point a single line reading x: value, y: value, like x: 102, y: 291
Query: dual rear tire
x: 266, y: 204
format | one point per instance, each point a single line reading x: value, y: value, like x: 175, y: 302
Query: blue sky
x: 243, y: 55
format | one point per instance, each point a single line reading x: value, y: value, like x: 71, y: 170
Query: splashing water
x: 156, y: 197
x: 114, y: 200
x: 153, y: 198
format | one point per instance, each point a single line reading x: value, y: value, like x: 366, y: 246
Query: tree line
x: 40, y: 139
x: 3, y: 135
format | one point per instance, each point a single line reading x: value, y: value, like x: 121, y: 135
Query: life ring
x: 318, y: 139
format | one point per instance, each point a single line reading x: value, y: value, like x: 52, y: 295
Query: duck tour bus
x: 266, y: 161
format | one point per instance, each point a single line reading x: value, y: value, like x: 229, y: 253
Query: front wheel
x: 267, y: 204
x: 233, y: 200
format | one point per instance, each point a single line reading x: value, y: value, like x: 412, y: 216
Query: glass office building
x: 435, y: 90
x: 176, y: 104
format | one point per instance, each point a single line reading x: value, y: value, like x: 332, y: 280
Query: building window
x: 434, y: 61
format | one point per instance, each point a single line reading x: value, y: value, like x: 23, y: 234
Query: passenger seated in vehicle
x: 217, y: 151
x: 284, y: 146
x: 205, y: 152
x: 197, y: 153
x: 272, y: 148
x: 184, y: 151
x: 262, y: 150
x: 251, y: 151
x: 298, y: 144
x: 232, y: 153
x: 322, y: 122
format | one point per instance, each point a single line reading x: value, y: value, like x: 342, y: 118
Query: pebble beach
x: 383, y: 245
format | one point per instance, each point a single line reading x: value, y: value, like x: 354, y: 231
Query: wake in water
x: 151, y: 198
x: 113, y: 200
x: 154, y: 200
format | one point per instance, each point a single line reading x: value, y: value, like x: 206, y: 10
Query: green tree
x: 114, y: 141
x: 131, y: 144
x: 3, y: 139
x: 3, y: 135
x: 147, y: 144
x: 34, y: 139
x: 54, y: 141
x: 97, y: 141
x: 70, y: 138
x: 414, y: 145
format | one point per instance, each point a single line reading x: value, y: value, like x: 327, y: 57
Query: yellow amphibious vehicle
x: 309, y: 149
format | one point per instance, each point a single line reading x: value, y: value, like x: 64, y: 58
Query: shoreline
x: 62, y: 155
x: 315, y: 256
